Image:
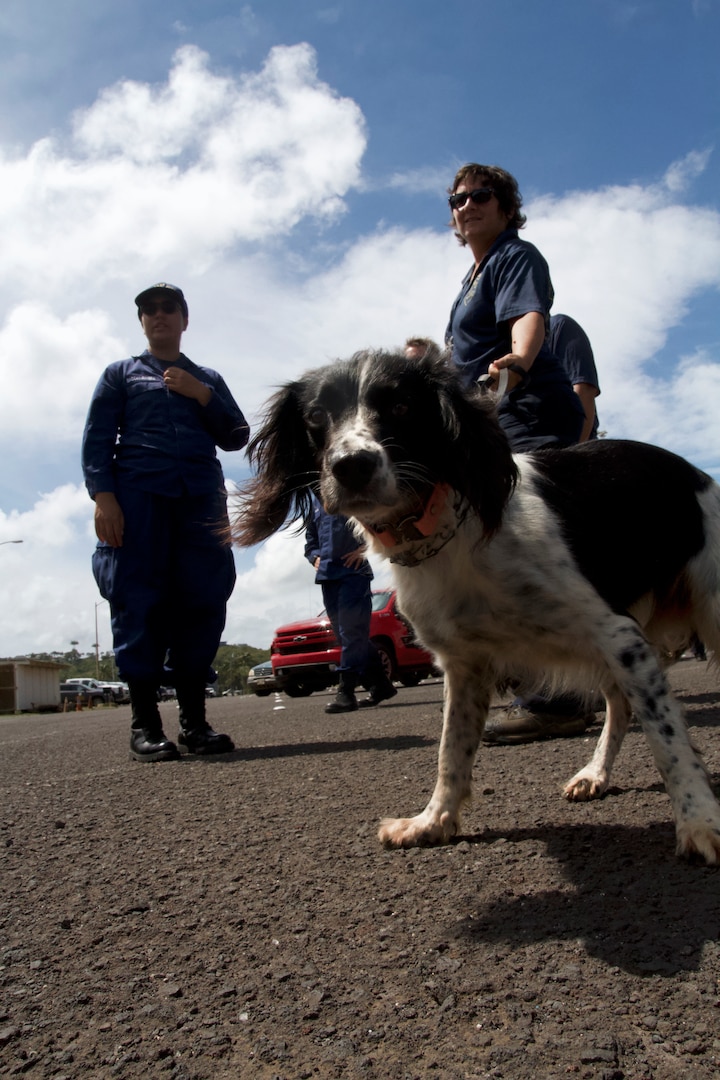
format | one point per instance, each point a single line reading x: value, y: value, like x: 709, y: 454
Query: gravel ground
x: 236, y: 917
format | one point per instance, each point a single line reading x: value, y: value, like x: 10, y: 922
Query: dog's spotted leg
x: 696, y: 811
x: 592, y: 781
x: 467, y: 700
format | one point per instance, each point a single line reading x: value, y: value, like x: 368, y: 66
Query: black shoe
x: 203, y: 740
x: 152, y: 746
x: 345, y: 701
x: 377, y: 694
x: 520, y: 725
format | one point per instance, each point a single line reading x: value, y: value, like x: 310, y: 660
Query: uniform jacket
x: 331, y: 536
x: 137, y: 431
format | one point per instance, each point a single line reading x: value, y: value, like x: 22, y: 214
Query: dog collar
x: 414, y: 526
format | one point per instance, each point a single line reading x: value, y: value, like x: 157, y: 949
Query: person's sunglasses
x: 479, y: 195
x: 151, y: 308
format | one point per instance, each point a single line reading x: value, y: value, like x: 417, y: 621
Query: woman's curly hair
x: 503, y: 184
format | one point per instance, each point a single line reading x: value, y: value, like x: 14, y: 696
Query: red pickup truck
x: 305, y: 655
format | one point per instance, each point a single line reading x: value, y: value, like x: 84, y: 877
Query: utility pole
x: 97, y: 642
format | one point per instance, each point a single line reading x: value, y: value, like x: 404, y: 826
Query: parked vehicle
x: 89, y: 695
x: 261, y: 679
x: 94, y: 689
x: 120, y: 694
x: 305, y: 655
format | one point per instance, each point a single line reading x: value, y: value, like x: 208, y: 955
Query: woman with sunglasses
x: 162, y: 560
x: 499, y: 321
x: 498, y: 328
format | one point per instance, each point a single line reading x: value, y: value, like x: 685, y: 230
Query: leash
x: 485, y: 382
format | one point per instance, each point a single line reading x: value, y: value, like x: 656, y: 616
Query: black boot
x: 148, y: 741
x: 376, y: 680
x: 345, y: 700
x: 379, y: 691
x: 195, y: 732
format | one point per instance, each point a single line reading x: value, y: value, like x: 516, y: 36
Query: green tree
x: 232, y: 664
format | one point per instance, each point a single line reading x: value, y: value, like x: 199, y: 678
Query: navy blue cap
x: 172, y: 291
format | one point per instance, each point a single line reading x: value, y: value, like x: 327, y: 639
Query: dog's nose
x: 355, y: 471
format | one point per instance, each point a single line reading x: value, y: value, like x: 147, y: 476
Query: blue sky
x: 286, y: 163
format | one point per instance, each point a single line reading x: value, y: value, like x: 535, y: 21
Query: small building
x: 29, y: 686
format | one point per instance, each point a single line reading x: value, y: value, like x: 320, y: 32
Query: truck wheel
x: 413, y: 679
x: 386, y: 659
x: 298, y: 689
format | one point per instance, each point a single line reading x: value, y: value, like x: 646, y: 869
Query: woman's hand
x: 509, y: 363
x: 527, y: 334
x: 355, y: 559
x: 182, y: 382
x: 109, y: 519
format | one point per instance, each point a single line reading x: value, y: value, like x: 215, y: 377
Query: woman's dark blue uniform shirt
x: 159, y: 441
x: 512, y: 280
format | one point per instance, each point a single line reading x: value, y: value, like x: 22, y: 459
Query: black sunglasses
x: 479, y: 195
x: 168, y: 306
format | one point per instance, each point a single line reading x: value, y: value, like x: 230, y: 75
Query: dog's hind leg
x: 640, y: 676
x: 467, y: 700
x: 592, y: 781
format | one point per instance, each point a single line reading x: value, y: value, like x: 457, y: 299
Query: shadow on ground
x: 632, y: 903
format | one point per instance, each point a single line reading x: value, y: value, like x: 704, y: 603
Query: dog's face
x: 376, y: 425
x: 371, y: 436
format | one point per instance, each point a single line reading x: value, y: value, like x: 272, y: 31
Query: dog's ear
x: 474, y: 454
x: 286, y: 471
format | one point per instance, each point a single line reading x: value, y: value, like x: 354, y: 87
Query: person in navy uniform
x: 344, y: 574
x: 163, y: 559
x: 568, y: 341
x: 501, y: 317
x: 539, y: 716
x: 499, y: 326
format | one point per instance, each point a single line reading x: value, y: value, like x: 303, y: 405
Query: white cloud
x: 681, y: 173
x: 54, y: 363
x: 627, y: 262
x: 430, y: 180
x: 182, y: 171
x: 181, y: 175
x: 47, y: 591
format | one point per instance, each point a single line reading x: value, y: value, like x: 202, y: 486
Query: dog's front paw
x: 585, y: 785
x: 419, y: 831
x: 699, y: 838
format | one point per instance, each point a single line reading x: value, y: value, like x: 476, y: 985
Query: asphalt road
x: 215, y: 919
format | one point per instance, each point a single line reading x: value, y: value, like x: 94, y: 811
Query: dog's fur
x: 588, y: 562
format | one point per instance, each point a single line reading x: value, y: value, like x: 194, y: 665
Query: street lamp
x: 97, y: 643
x: 10, y: 542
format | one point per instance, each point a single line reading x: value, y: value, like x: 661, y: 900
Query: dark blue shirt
x: 568, y: 341
x: 137, y: 431
x: 331, y: 536
x: 512, y: 280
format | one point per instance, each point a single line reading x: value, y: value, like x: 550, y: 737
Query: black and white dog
x: 589, y: 562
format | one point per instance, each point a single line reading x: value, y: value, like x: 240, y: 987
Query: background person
x: 535, y: 716
x: 569, y: 342
x: 416, y: 348
x: 344, y: 574
x: 162, y: 560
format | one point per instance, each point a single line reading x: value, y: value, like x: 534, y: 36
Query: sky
x: 287, y: 163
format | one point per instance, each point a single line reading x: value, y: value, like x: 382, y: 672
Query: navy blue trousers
x: 348, y: 602
x: 168, y: 585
